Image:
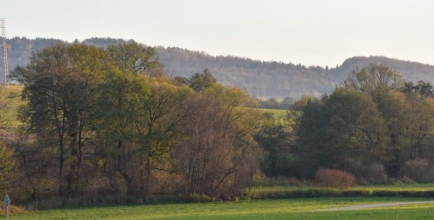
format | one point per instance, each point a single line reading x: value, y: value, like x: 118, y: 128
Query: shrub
x: 334, y: 178
x: 403, y: 193
x: 419, y: 170
x: 368, y: 174
x: 376, y: 174
x: 281, y: 181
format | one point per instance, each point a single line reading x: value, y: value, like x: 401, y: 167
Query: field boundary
x: 376, y: 205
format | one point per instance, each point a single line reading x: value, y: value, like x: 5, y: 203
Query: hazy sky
x: 310, y: 32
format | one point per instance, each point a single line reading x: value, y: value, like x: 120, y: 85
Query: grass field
x: 277, y: 113
x: 261, y: 209
x: 280, y: 115
x: 10, y: 101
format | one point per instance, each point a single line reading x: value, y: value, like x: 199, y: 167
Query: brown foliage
x: 215, y: 155
x: 334, y: 178
x: 374, y: 173
x: 418, y: 170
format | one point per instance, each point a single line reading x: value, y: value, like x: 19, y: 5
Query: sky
x: 309, y: 32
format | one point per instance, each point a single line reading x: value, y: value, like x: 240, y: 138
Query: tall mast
x: 5, y: 54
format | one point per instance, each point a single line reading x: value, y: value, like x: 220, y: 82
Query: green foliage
x: 135, y: 58
x: 374, y: 78
x: 109, y: 121
x: 294, y: 193
x: 200, y: 81
x: 119, y: 104
x: 303, y: 102
x: 58, y: 87
x: 369, y: 120
x: 275, y: 141
x: 422, y: 88
x: 7, y: 167
x: 282, y: 192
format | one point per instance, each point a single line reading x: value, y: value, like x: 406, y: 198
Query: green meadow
x: 259, y: 209
x: 10, y: 102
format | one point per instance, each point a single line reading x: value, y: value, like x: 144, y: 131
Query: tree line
x: 101, y: 121
x: 104, y: 121
x: 375, y: 125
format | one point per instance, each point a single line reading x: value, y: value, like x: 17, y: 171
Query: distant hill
x: 261, y: 79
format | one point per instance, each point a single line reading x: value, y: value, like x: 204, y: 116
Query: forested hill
x: 257, y: 77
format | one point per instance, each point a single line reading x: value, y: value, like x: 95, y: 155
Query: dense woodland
x: 258, y: 78
x: 105, y: 121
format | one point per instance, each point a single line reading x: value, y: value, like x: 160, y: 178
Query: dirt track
x: 377, y: 205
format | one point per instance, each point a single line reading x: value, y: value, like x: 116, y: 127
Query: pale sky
x: 310, y: 32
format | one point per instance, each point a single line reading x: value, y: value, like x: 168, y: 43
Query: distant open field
x: 10, y: 101
x: 278, y: 113
x: 261, y: 209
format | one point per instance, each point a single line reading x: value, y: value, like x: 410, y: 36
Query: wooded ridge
x: 259, y: 78
x: 108, y: 121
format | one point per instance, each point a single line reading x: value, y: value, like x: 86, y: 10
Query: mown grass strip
x: 262, y: 209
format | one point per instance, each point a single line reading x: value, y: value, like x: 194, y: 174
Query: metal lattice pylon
x: 5, y: 54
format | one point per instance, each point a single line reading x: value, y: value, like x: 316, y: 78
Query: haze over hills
x: 259, y: 78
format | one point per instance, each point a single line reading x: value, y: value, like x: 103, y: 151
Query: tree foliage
x: 59, y: 84
x: 216, y: 155
x: 374, y: 78
x: 258, y: 78
x: 108, y: 120
x: 277, y: 158
x: 7, y: 167
x: 200, y: 81
x: 368, y: 120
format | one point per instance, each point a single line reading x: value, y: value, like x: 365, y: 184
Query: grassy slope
x: 264, y: 209
x: 10, y: 101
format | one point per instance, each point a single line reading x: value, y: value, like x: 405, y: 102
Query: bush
x: 281, y: 181
x: 368, y: 174
x: 334, y: 178
x: 403, y: 193
x: 418, y: 170
x: 286, y: 193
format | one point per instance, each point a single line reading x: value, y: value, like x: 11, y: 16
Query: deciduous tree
x: 215, y: 154
x: 58, y: 86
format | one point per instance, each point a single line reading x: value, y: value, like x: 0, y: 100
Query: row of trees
x: 104, y: 121
x: 375, y: 122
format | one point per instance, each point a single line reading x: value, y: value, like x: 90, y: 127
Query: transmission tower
x: 5, y: 54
